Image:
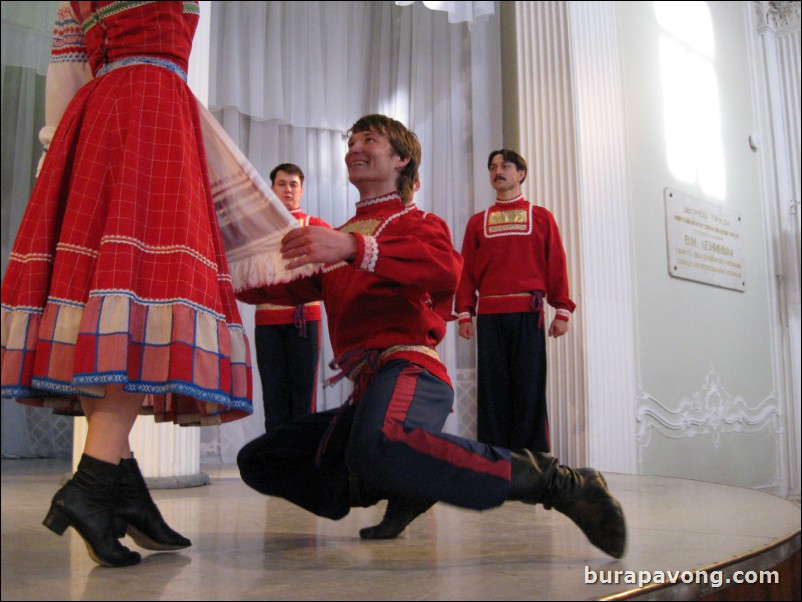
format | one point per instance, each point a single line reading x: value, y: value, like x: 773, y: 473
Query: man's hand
x: 316, y: 244
x: 466, y: 330
x: 558, y: 328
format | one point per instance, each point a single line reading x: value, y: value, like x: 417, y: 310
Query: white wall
x: 709, y: 407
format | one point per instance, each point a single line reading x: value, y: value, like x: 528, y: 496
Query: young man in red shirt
x: 388, y: 278
x: 287, y: 337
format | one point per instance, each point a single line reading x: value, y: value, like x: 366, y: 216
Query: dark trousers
x: 391, y: 439
x: 511, y: 404
x: 288, y: 367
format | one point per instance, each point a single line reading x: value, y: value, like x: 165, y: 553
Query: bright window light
x: 691, y: 108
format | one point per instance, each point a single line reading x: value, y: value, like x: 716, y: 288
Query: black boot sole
x: 143, y: 540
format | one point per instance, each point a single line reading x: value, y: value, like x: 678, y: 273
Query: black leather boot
x: 399, y: 513
x: 86, y: 503
x: 581, y: 494
x: 137, y: 514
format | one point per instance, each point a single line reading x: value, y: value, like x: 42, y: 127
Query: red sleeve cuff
x: 360, y: 249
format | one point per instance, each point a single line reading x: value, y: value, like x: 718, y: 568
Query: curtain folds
x: 26, y: 38
x: 458, y: 11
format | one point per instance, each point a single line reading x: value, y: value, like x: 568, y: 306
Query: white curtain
x: 288, y: 79
x: 26, y: 39
x: 458, y: 11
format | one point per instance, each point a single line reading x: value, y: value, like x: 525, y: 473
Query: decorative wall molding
x: 777, y: 16
x: 711, y: 411
x: 774, y: 64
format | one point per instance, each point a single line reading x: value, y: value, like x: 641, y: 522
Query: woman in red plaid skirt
x: 117, y: 298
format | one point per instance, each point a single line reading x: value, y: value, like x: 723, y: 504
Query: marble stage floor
x: 250, y: 547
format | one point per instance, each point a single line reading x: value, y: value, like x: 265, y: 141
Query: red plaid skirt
x: 118, y: 273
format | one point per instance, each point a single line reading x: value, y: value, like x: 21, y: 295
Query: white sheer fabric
x: 458, y: 11
x: 252, y: 220
x: 289, y: 78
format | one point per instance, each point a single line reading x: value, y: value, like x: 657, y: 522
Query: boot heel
x: 56, y: 521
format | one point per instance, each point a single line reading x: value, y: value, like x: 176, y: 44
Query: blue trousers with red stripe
x: 392, y: 440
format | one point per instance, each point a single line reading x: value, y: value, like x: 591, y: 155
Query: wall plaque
x: 704, y: 241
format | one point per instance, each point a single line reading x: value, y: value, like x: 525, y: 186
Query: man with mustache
x: 513, y: 261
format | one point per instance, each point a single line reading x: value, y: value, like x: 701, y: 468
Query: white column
x: 546, y: 117
x: 606, y: 227
x: 572, y: 133
x: 775, y: 61
x: 168, y: 455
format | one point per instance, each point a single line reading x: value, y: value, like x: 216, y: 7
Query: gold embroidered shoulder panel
x: 365, y: 227
x: 508, y: 222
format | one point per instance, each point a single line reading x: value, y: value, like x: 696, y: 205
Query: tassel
x: 300, y: 320
x: 536, y: 305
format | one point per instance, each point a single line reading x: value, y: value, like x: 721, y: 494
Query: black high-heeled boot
x: 581, y: 494
x: 400, y: 512
x: 86, y: 503
x: 137, y: 515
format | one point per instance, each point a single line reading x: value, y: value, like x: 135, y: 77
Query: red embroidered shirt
x: 269, y: 314
x: 395, y: 294
x: 511, y: 250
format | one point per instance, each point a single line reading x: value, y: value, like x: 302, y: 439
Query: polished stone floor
x: 251, y: 547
